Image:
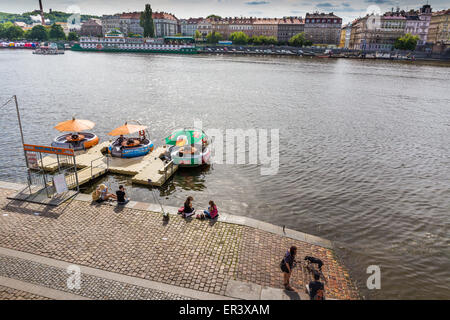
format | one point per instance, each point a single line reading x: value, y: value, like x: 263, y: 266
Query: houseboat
x: 115, y: 41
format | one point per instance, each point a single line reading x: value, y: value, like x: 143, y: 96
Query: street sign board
x: 47, y: 149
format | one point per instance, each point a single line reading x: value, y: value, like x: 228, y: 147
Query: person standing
x: 286, y: 267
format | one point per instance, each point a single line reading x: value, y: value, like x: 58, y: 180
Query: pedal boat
x: 77, y: 138
x: 189, y: 148
x: 190, y: 156
x: 123, y: 147
x: 76, y: 141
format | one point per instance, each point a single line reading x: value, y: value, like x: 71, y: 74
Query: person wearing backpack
x: 286, y: 266
x: 316, y: 288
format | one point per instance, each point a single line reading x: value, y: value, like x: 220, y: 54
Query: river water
x: 364, y: 145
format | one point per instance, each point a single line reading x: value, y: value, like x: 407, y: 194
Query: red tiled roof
x: 155, y: 15
x: 321, y: 15
x: 252, y: 20
x: 291, y: 20
x: 93, y: 22
x: 194, y: 20
x: 265, y: 21
x: 130, y: 15
x: 394, y: 17
x: 164, y: 15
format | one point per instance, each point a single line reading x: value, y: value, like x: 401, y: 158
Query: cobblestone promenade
x: 194, y: 254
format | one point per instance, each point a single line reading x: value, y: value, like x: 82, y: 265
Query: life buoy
x: 142, y: 133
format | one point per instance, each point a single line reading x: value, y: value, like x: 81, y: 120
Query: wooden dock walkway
x: 146, y: 170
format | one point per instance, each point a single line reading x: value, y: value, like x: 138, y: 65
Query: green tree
x: 213, y: 16
x: 299, y: 40
x: 256, y: 40
x: 259, y: 40
x: 270, y: 40
x: 55, y: 16
x: 16, y: 32
x: 2, y: 30
x: 146, y: 22
x: 407, y: 42
x: 38, y: 33
x: 57, y: 32
x: 11, y: 32
x: 213, y: 37
x: 239, y: 37
x: 197, y: 35
x: 26, y: 34
x: 72, y: 36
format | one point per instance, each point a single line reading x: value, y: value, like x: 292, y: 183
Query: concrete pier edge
x: 223, y: 217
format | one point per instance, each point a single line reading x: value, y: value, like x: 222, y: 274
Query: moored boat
x: 76, y: 141
x: 48, y: 49
x: 115, y: 41
x: 189, y: 147
x: 132, y: 147
x: 326, y: 54
x: 77, y: 138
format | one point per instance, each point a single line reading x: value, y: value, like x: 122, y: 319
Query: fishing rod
x: 165, y: 214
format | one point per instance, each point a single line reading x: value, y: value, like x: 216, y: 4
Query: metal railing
x: 102, y: 163
x: 166, y: 168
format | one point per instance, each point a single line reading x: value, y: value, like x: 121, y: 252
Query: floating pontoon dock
x: 147, y: 170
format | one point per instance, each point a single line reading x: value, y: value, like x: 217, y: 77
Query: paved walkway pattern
x: 194, y: 254
x: 7, y: 293
x: 90, y: 286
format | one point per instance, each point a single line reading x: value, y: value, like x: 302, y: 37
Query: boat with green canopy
x: 189, y: 147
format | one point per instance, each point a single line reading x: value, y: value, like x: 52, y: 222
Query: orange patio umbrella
x: 127, y: 129
x: 75, y: 125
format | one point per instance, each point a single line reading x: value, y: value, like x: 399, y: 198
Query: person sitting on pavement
x: 188, y: 209
x: 122, y: 196
x: 96, y: 195
x: 316, y: 288
x: 211, y: 213
x: 286, y: 266
x: 104, y: 195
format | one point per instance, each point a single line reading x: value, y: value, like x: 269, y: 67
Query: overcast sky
x: 347, y: 9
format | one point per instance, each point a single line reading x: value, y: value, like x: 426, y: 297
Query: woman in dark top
x: 286, y: 266
x: 122, y: 196
x: 188, y: 208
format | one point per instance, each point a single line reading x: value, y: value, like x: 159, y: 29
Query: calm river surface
x: 364, y: 145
